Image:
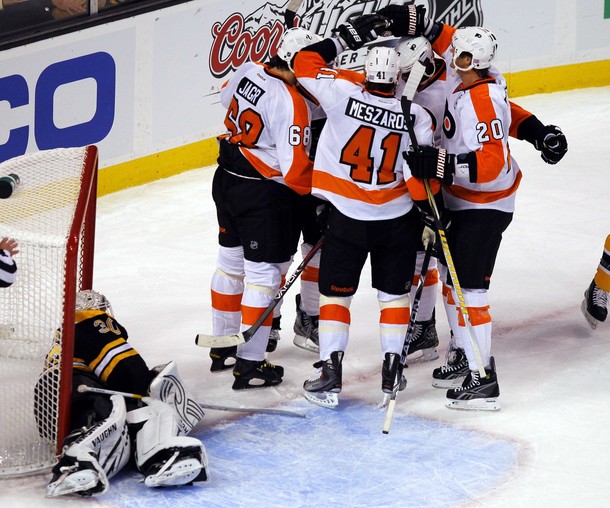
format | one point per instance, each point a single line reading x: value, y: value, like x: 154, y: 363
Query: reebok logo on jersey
x: 249, y: 91
x: 375, y: 116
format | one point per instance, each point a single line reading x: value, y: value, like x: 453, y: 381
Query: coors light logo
x: 256, y: 36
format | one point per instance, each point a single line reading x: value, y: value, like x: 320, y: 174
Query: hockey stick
x: 408, y: 94
x: 408, y: 337
x: 290, y: 13
x: 204, y: 340
x: 262, y: 410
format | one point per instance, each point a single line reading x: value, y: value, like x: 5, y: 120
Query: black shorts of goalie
x: 474, y: 238
x: 253, y: 212
x: 391, y: 244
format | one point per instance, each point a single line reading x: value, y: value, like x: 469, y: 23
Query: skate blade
x: 590, y: 319
x: 328, y: 400
x: 306, y: 344
x: 448, y: 383
x: 489, y: 404
x: 427, y: 355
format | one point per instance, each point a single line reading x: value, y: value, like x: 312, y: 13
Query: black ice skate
x: 306, y: 330
x: 220, y: 355
x: 274, y: 335
x: 392, y: 378
x: 256, y: 374
x: 477, y: 393
x: 323, y: 389
x: 595, y: 305
x: 424, y: 339
x: 452, y: 374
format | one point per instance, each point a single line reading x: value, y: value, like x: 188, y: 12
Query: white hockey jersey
x: 359, y: 164
x: 477, y: 119
x: 270, y: 122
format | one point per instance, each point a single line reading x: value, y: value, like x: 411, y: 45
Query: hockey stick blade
x: 204, y: 340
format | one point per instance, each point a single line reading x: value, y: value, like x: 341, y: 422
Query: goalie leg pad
x: 167, y: 387
x: 164, y: 458
x: 96, y: 455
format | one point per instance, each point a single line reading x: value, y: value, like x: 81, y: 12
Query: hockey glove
x: 552, y: 144
x: 322, y: 214
x: 361, y: 30
x: 430, y: 162
x: 407, y: 20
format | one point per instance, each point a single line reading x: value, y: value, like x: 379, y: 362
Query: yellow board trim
x: 205, y: 152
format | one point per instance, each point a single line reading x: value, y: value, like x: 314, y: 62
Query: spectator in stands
x: 18, y: 14
x: 8, y: 267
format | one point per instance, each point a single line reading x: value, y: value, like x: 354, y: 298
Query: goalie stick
x: 390, y: 399
x: 261, y: 410
x: 204, y: 340
x: 408, y: 94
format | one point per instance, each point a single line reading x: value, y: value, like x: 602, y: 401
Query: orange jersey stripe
x: 226, y: 303
x: 481, y: 197
x: 517, y: 114
x: 333, y: 312
x: 418, y: 191
x: 249, y: 315
x: 395, y: 316
x: 328, y: 182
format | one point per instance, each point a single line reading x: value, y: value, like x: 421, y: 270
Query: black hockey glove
x: 407, y: 20
x: 322, y: 214
x: 548, y: 139
x: 552, y: 144
x: 430, y: 162
x: 361, y: 30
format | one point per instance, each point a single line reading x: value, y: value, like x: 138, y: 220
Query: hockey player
x: 263, y: 161
x: 107, y: 431
x: 524, y: 125
x: 359, y: 171
x: 595, y: 304
x: 8, y: 268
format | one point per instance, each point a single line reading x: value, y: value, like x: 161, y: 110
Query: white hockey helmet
x: 411, y: 50
x: 294, y: 40
x: 480, y: 42
x: 92, y: 300
x: 381, y: 65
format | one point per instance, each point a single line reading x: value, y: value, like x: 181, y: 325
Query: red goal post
x: 51, y: 214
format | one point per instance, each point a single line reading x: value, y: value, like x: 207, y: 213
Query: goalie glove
x: 361, y: 30
x: 408, y: 20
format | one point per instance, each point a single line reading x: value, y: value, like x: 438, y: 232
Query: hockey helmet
x: 92, y: 300
x: 411, y: 50
x: 381, y: 65
x: 480, y: 42
x: 294, y: 40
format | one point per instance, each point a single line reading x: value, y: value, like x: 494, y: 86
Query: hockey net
x: 52, y: 216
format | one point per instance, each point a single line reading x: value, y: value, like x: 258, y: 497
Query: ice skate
x: 323, y: 389
x: 256, y: 374
x: 183, y: 467
x: 74, y: 477
x: 476, y: 393
x: 222, y: 358
x: 595, y: 305
x: 392, y: 378
x: 305, y: 330
x: 274, y: 335
x: 423, y: 340
x: 452, y: 374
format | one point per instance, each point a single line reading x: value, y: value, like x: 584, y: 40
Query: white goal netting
x: 51, y: 214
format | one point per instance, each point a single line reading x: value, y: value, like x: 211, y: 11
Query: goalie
x: 107, y: 431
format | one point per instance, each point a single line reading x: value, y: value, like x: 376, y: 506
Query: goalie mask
x: 478, y: 42
x: 92, y: 300
x: 381, y: 65
x: 294, y: 40
x: 416, y: 49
